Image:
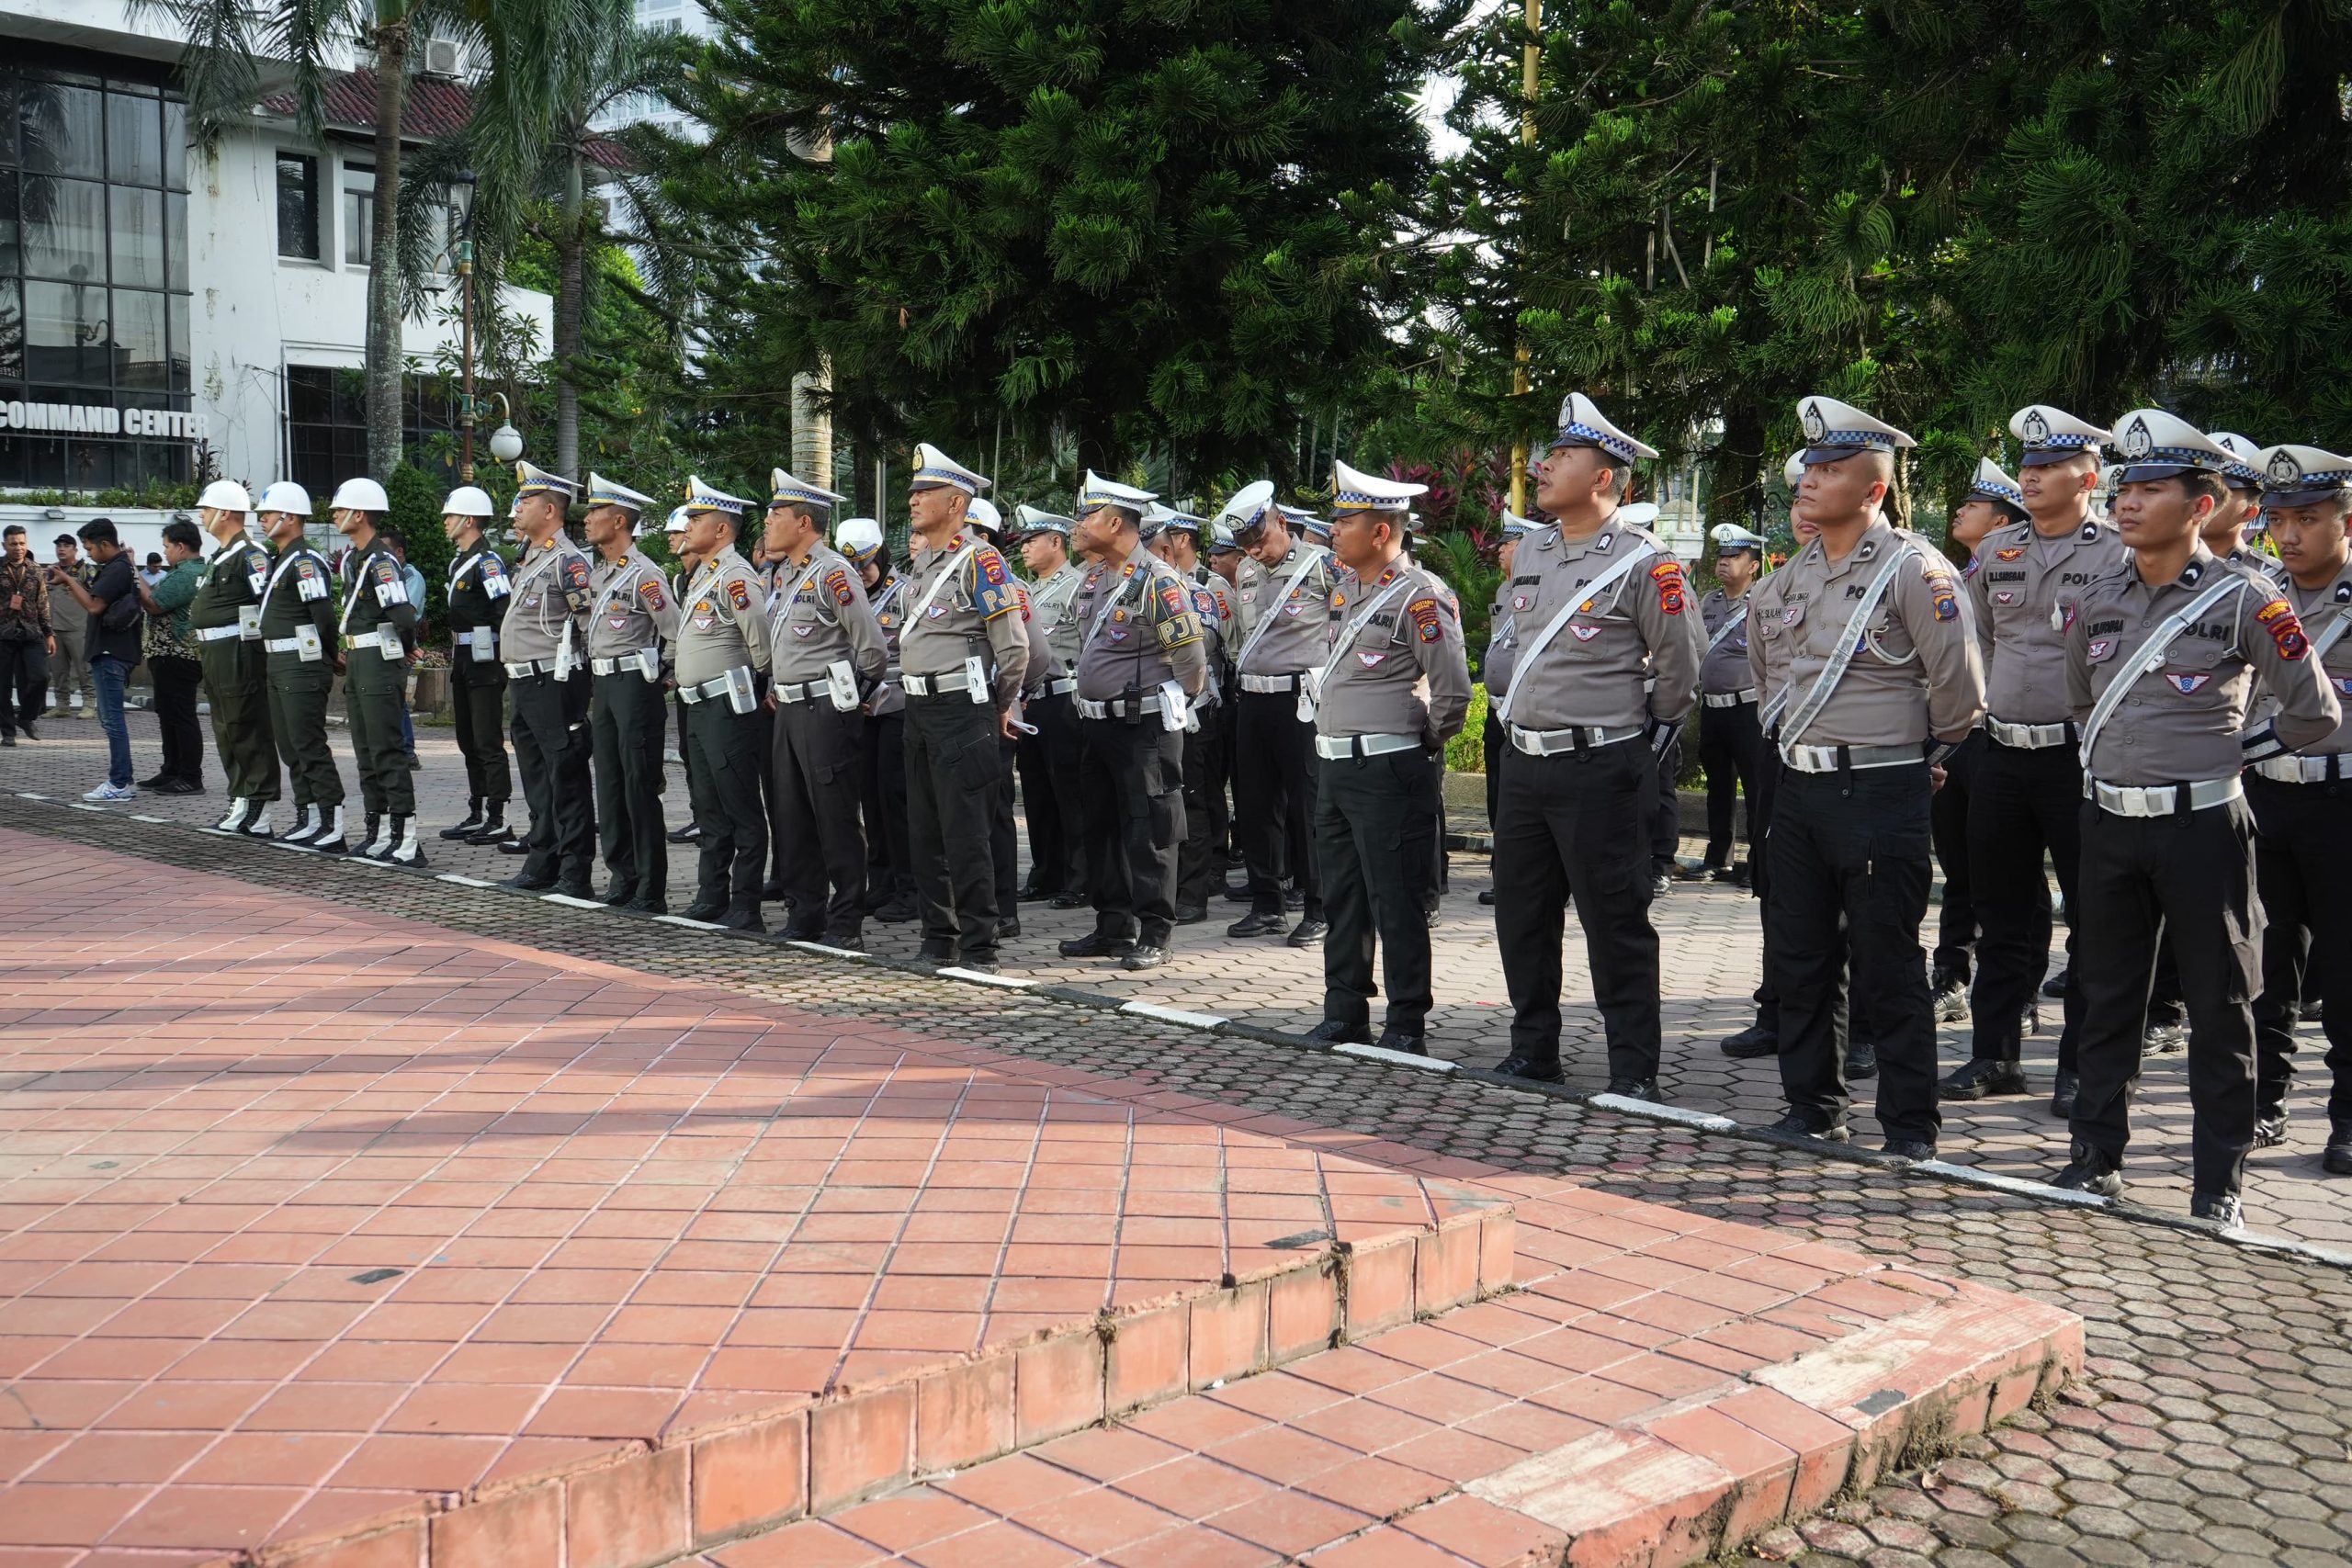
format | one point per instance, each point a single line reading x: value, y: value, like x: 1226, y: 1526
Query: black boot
x: 493, y: 829
x: 1532, y: 1064
x: 471, y: 825
x: 408, y: 845
x: 1981, y: 1079
x: 1753, y: 1042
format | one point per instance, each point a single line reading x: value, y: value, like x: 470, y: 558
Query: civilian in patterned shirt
x: 172, y: 660
x: 28, y: 642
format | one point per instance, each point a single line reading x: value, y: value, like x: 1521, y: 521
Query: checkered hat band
x: 943, y: 476
x: 2185, y: 457
x: 1613, y: 444
x: 1357, y: 500
x: 617, y: 498
x: 2060, y: 443
x: 704, y: 500
x: 545, y: 487
x: 2324, y: 480
x: 789, y: 495
x: 2238, y: 473
x: 1874, y: 440
x: 2009, y: 494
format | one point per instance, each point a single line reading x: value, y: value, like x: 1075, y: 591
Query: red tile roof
x: 435, y: 106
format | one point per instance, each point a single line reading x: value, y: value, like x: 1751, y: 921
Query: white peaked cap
x: 1518, y: 527
x: 1640, y: 513
x: 469, y: 501
x: 1582, y: 425
x: 934, y: 466
x: 783, y: 490
x: 1835, y: 430
x: 2302, y: 476
x: 1793, y: 471
x: 982, y: 514
x: 1732, y: 536
x: 2245, y: 471
x: 1034, y: 520
x: 1992, y: 481
x: 225, y: 495
x: 1094, y: 491
x: 602, y: 492
x: 2052, y: 434
x: 1353, y: 489
x: 701, y: 497
x: 2159, y: 446
x: 532, y: 479
x: 1248, y: 503
x: 364, y: 495
x: 858, y: 537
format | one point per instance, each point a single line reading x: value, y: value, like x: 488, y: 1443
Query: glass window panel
x: 174, y: 243
x: 137, y: 344
x: 174, y: 144
x: 64, y: 228
x: 40, y: 463
x: 298, y: 206
x: 358, y: 213
x: 89, y: 465
x: 137, y: 236
x: 12, y: 331
x: 62, y: 127
x: 308, y: 397
x: 134, y: 140
x: 10, y: 88
x: 177, y: 371
x: 65, y: 324
x: 350, y: 399
x: 12, y: 257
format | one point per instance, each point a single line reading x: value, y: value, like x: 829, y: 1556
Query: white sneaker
x: 113, y: 792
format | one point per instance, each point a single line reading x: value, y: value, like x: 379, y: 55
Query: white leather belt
x: 1577, y: 736
x: 463, y: 639
x: 218, y: 634
x: 624, y: 663
x: 1728, y: 699
x: 716, y: 686
x: 2160, y: 800
x: 1333, y: 747
x: 1118, y: 707
x: 2328, y: 767
x: 384, y: 639
x: 2030, y: 736
x: 799, y: 691
x: 1269, y: 682
x: 932, y: 686
x: 1060, y: 688
x: 282, y: 645
x: 525, y: 669
x: 1830, y: 759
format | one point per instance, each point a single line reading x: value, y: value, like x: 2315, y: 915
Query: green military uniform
x: 224, y: 619
x: 478, y: 589
x: 297, y: 632
x: 377, y: 610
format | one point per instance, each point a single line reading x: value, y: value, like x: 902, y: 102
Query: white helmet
x: 285, y: 495
x: 982, y: 514
x: 679, y: 518
x: 360, y: 495
x: 225, y: 495
x: 465, y: 501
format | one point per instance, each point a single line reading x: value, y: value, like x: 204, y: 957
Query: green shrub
x: 1467, y: 752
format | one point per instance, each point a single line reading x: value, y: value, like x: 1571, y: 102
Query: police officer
x: 2229, y: 531
x: 1885, y: 676
x: 2161, y: 665
x: 1664, y: 821
x: 1177, y: 540
x: 225, y: 620
x: 478, y: 592
x: 722, y: 648
x: 1048, y: 758
x: 1381, y: 746
x: 377, y: 610
x: 1141, y: 660
x: 673, y: 533
x: 547, y: 675
x: 2025, y: 797
x: 2302, y: 853
x: 1598, y: 607
x: 1005, y: 839
x: 826, y: 657
x: 1273, y: 775
x: 890, y: 867
x: 1729, y: 738
x: 630, y: 612
x: 964, y: 647
x: 1494, y: 671
x: 298, y: 638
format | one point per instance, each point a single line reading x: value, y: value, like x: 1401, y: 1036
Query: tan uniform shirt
x: 1724, y: 667
x: 2180, y: 722
x: 1767, y: 661
x: 1213, y: 599
x: 1402, y: 670
x: 976, y: 615
x: 1246, y: 577
x: 1919, y: 672
x: 1595, y: 669
x: 2027, y: 589
x: 1051, y: 601
x: 819, y: 616
x: 726, y: 625
x: 2321, y: 609
x: 888, y: 598
x: 550, y: 591
x: 631, y: 608
x: 1139, y: 629
x: 1286, y: 608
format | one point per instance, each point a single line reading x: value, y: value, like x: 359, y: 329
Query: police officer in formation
x: 1175, y: 537
x: 1729, y: 738
x: 547, y: 673
x: 825, y: 658
x: 722, y: 648
x: 1273, y: 777
x: 631, y: 610
x: 889, y: 863
x: 1048, y: 750
x: 2161, y: 664
x: 1598, y: 608
x: 299, y: 638
x: 1393, y: 688
x: 963, y: 645
x: 377, y: 612
x: 1142, y: 658
x: 225, y: 620
x: 1005, y: 839
x: 1884, y: 678
x: 1494, y: 671
x: 478, y: 592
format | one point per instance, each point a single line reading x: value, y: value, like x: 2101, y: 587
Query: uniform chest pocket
x: 2192, y: 668
x: 1887, y: 640
x: 1785, y: 623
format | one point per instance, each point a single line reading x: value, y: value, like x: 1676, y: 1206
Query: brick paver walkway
x: 1711, y: 953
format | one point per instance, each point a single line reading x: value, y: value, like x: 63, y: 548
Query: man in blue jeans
x: 112, y: 601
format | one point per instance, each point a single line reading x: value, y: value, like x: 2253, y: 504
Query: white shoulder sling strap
x: 1525, y: 665
x: 1824, y: 685
x: 1306, y: 558
x: 954, y: 564
x: 1737, y: 618
x: 2151, y: 657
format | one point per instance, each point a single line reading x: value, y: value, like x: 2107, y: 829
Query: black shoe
x: 158, y: 781
x: 181, y: 787
x: 935, y: 953
x: 2337, y: 1158
x: 1738, y: 875
x: 467, y: 828
x: 509, y: 845
x: 525, y: 882
x: 1636, y: 1089
x: 1331, y: 1031
x: 414, y: 763
x: 1144, y: 955
x: 1487, y: 896
x: 706, y: 910
x: 1294, y: 900
x: 2165, y: 1040
x: 1696, y: 871
x: 772, y: 891
x: 1533, y: 1066
x: 2055, y: 986
x: 1239, y: 895
x: 685, y: 835
x: 31, y: 733
x: 2030, y: 1024
x: 1034, y: 894
x: 2223, y: 1208
x: 1797, y: 1124
x: 1008, y: 927
x: 493, y: 829
x: 1190, y: 914
x: 2062, y: 1090
x: 2089, y: 1170
x: 646, y: 907
x: 803, y: 931
x: 1752, y: 1042
x: 1412, y: 1045
x: 1910, y: 1148
x: 981, y: 966
x: 617, y: 894
x: 575, y: 887
x: 1950, y: 996
x: 1098, y: 944
x: 2270, y: 1131
x: 742, y: 917
x: 1257, y: 924
x: 1862, y: 1061
x: 897, y: 911
x: 1981, y: 1079
x: 7, y: 738
x: 848, y: 941
x: 1308, y: 931
x: 1661, y: 882
x: 2310, y: 1012
x: 1069, y: 901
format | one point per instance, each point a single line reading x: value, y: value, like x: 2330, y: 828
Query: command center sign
x: 98, y: 419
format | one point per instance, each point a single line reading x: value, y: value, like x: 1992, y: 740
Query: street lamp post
x: 464, y: 182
